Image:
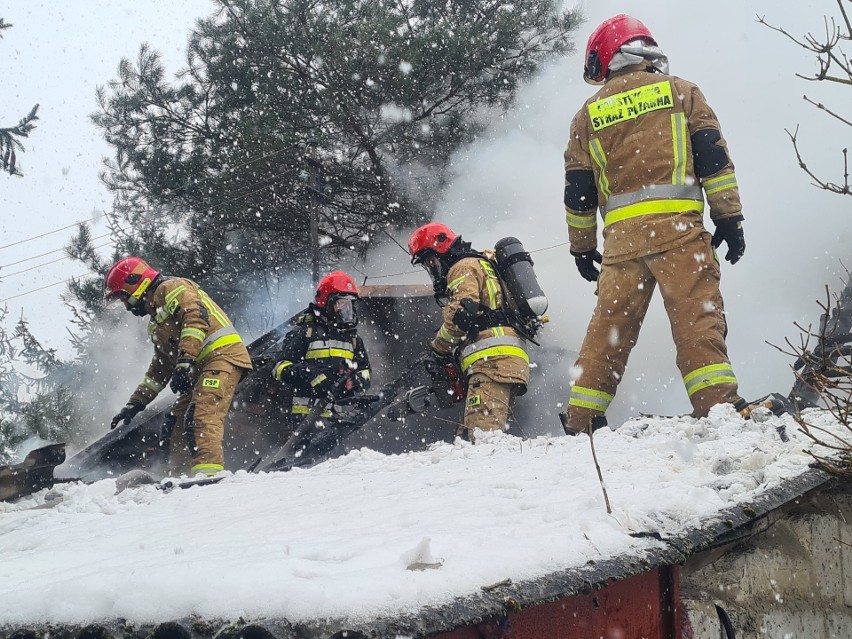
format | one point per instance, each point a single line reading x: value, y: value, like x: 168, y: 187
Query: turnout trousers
x: 688, y: 277
x: 196, y: 440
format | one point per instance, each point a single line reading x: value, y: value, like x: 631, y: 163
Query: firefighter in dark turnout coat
x: 323, y: 357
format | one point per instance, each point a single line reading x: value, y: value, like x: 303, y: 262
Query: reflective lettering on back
x: 210, y: 382
x: 629, y: 105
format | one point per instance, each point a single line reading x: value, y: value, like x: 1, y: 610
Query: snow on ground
x: 337, y: 540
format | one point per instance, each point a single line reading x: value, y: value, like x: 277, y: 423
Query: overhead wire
x: 59, y: 259
x: 34, y: 257
x: 45, y: 234
x: 92, y: 219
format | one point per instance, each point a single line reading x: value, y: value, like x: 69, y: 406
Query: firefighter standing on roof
x: 323, y: 357
x: 492, y: 356
x: 642, y: 150
x: 196, y: 347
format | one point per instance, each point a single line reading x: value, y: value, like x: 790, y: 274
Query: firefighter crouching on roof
x: 493, y: 358
x: 196, y: 346
x: 323, y: 357
x: 641, y: 150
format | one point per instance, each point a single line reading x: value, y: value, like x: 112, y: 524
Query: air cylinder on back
x: 516, y: 269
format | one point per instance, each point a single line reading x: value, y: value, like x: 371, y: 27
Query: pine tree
x: 10, y: 136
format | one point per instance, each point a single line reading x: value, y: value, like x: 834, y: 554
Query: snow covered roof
x: 400, y: 544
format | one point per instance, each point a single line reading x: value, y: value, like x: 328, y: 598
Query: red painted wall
x: 641, y: 607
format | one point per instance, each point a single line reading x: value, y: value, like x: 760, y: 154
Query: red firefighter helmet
x: 128, y: 279
x: 433, y: 236
x: 336, y: 283
x: 606, y: 40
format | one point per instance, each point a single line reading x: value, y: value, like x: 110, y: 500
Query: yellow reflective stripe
x: 679, y: 143
x: 455, y: 283
x: 171, y: 296
x: 489, y: 270
x: 589, y: 398
x: 319, y: 379
x: 599, y: 157
x: 152, y: 384
x: 653, y: 207
x: 498, y: 331
x: 444, y: 334
x: 279, y: 369
x: 322, y: 353
x: 494, y: 351
x: 298, y: 409
x: 194, y: 333
x: 706, y: 376
x: 720, y: 183
x: 227, y: 340
x: 206, y: 469
x: 581, y: 221
x: 366, y: 374
x: 491, y: 286
x: 211, y: 307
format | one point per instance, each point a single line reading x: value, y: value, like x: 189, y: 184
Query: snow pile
x: 370, y: 534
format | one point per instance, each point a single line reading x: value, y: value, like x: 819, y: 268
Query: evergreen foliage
x: 10, y: 136
x: 346, y: 110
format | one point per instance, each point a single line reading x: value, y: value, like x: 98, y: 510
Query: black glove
x: 585, y: 262
x: 443, y: 360
x: 182, y: 375
x: 328, y: 387
x: 730, y: 231
x: 130, y: 410
x: 354, y: 382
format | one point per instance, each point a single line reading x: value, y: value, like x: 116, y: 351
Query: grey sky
x: 511, y: 183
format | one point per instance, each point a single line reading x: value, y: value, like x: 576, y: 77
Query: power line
x: 35, y: 237
x: 27, y: 259
x: 201, y: 181
x: 41, y: 288
x: 59, y: 259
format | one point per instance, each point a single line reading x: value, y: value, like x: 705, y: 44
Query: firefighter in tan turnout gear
x: 196, y: 347
x: 646, y: 150
x: 492, y: 355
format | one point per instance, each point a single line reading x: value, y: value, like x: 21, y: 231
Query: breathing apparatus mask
x: 437, y: 266
x: 341, y: 313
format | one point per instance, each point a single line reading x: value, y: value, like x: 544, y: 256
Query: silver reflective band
x: 654, y: 192
x: 491, y: 342
x: 225, y: 330
x: 331, y: 343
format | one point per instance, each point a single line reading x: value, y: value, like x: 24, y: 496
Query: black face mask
x: 341, y: 313
x: 437, y: 269
x: 138, y: 309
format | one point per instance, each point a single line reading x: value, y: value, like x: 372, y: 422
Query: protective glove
x: 130, y: 410
x: 354, y: 382
x: 730, y: 231
x: 585, y: 261
x: 443, y: 360
x: 325, y: 386
x: 182, y: 376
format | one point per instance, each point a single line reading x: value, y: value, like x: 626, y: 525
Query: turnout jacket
x: 314, y: 356
x: 641, y: 150
x: 498, y: 351
x: 186, y: 323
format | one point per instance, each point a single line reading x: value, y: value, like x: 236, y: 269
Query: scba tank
x: 516, y: 268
